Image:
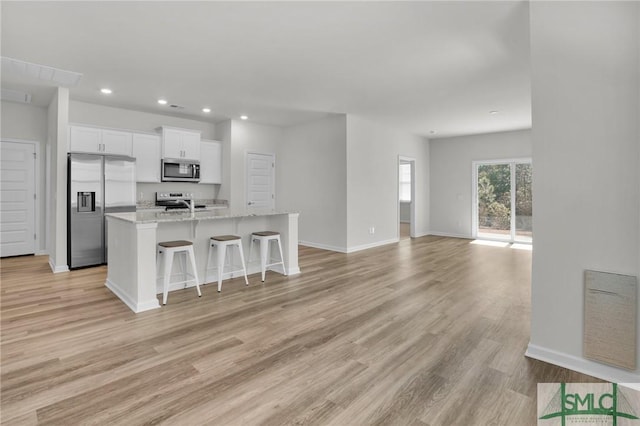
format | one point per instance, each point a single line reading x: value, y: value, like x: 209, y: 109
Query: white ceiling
x: 418, y: 66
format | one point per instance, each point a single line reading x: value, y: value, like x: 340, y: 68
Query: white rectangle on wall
x: 610, y: 309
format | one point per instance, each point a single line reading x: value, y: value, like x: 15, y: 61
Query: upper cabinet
x: 100, y: 141
x: 210, y: 162
x: 146, y: 150
x: 180, y: 143
x: 117, y: 142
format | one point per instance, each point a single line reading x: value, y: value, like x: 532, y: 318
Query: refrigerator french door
x: 97, y: 184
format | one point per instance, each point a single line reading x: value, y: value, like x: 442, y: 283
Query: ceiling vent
x: 15, y: 96
x: 176, y: 106
x: 41, y: 72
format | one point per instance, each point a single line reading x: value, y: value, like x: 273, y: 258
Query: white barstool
x: 166, y: 251
x: 265, y: 238
x: 221, y: 243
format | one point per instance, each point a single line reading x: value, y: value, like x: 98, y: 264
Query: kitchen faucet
x: 190, y: 204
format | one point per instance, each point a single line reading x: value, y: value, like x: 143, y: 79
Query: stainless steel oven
x: 180, y: 170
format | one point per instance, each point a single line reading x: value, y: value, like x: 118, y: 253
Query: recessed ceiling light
x: 106, y: 91
x: 162, y: 101
x: 493, y: 112
x: 243, y: 117
x: 206, y: 109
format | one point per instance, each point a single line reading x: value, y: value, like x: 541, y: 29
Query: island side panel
x: 291, y: 241
x: 131, y: 272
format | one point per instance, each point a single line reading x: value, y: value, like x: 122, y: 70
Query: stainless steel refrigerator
x: 97, y: 184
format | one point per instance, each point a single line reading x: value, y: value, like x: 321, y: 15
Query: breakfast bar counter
x: 132, y: 240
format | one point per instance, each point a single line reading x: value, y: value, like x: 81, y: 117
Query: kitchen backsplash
x: 147, y: 191
x: 145, y: 204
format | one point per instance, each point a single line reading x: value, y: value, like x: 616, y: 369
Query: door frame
x: 246, y: 175
x: 412, y: 205
x: 474, y: 196
x: 38, y: 191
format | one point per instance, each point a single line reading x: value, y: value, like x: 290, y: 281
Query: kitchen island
x: 132, y: 240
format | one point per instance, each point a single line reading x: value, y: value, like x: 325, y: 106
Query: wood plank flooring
x: 428, y: 331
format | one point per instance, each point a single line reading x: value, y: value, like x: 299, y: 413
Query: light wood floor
x: 429, y: 331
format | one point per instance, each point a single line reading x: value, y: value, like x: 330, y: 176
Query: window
x: 405, y: 182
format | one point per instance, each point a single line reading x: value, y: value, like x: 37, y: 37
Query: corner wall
x: 586, y: 185
x: 58, y: 141
x: 311, y: 176
x: 451, y: 172
x: 372, y: 182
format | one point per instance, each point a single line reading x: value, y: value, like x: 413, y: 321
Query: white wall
x: 372, y: 182
x: 223, y: 134
x: 248, y: 137
x: 58, y: 141
x: 312, y: 176
x: 29, y: 122
x: 585, y: 77
x: 451, y: 175
x: 405, y: 212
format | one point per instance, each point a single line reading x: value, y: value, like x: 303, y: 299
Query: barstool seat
x: 221, y: 243
x: 166, y: 252
x: 265, y: 238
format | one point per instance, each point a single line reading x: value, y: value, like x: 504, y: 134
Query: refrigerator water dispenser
x: 86, y: 202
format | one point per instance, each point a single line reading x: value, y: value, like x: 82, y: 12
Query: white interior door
x: 260, y: 181
x: 17, y: 199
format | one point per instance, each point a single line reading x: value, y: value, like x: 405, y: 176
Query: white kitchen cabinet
x: 95, y: 140
x: 180, y: 143
x: 146, y: 150
x: 85, y: 139
x: 210, y: 162
x: 117, y: 142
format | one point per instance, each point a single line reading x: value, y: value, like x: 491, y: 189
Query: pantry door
x: 17, y: 198
x: 261, y: 181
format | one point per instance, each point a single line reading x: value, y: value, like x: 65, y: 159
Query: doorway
x: 503, y: 208
x: 18, y: 195
x: 406, y: 197
x: 260, y: 184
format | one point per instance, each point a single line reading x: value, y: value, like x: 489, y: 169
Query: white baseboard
x: 323, y: 246
x: 581, y: 365
x: 447, y: 234
x: 348, y: 249
x: 371, y: 245
x: 421, y: 234
x: 135, y: 307
x: 57, y: 269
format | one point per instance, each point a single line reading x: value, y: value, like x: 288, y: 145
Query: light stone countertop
x: 147, y: 216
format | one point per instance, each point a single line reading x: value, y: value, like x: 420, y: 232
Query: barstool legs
x: 166, y: 251
x: 221, y: 244
x: 167, y: 258
x: 220, y: 252
x: 264, y: 253
x: 192, y: 257
x: 244, y: 267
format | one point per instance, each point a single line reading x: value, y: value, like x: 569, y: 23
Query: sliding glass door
x: 502, y: 194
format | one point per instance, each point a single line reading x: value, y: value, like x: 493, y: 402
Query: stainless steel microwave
x: 174, y: 170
